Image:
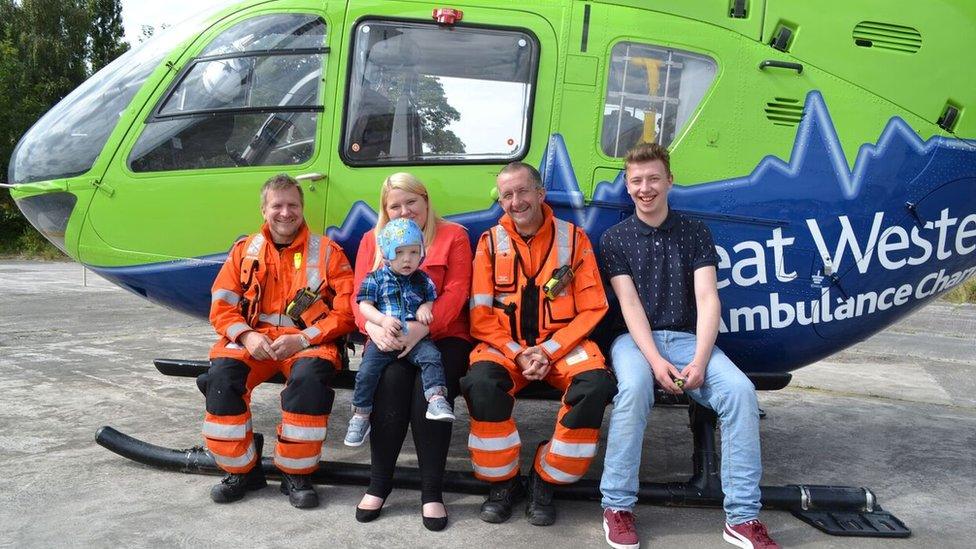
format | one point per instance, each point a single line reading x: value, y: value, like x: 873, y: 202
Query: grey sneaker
x: 357, y: 431
x: 439, y: 409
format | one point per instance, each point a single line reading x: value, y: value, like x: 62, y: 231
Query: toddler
x: 390, y: 296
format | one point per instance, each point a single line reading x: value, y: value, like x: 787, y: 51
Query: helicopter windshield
x: 68, y: 139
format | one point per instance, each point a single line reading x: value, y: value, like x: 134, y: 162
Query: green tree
x: 106, y: 32
x: 427, y: 97
x: 47, y: 49
x: 436, y: 114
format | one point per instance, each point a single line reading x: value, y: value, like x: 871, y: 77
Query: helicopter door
x: 245, y: 104
x: 449, y: 104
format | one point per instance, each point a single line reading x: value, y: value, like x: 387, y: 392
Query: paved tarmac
x: 896, y: 413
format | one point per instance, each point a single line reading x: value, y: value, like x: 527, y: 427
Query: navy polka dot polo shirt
x: 662, y: 262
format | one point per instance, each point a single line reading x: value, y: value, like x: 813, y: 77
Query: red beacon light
x: 447, y: 16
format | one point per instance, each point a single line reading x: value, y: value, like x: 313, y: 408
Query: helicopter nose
x: 49, y: 214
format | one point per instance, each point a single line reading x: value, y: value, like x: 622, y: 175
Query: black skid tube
x: 198, y: 461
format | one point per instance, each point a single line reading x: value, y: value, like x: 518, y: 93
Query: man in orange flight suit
x: 260, y: 336
x: 528, y: 335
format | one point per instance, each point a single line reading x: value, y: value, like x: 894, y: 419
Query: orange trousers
x: 306, y: 402
x: 494, y: 443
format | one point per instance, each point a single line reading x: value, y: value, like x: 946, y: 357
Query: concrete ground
x: 896, y: 413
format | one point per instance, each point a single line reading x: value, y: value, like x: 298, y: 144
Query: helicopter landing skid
x: 835, y: 510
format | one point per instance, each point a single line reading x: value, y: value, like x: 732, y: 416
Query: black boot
x: 236, y: 485
x: 299, y: 490
x: 540, y: 511
x: 501, y: 497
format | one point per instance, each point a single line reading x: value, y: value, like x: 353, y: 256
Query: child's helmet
x: 400, y: 232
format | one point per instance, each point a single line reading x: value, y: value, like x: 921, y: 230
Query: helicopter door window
x: 251, y: 98
x: 421, y: 93
x: 651, y: 93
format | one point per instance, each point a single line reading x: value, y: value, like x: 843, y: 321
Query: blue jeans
x: 424, y: 355
x: 726, y: 390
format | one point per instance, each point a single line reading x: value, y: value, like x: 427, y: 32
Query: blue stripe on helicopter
x: 782, y: 308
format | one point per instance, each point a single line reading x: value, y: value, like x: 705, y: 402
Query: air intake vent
x: 886, y: 36
x: 783, y: 111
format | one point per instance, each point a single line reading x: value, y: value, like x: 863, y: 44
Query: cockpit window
x: 651, y: 93
x: 283, y: 31
x: 247, y: 82
x: 68, y: 139
x: 421, y: 93
x: 250, y: 99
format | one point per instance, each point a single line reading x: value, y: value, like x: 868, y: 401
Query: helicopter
x: 826, y: 144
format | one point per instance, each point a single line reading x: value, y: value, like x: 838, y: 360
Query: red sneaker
x: 620, y: 529
x: 749, y: 535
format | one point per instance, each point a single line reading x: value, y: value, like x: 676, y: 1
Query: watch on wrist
x: 304, y: 340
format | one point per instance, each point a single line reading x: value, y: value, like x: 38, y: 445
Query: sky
x: 136, y: 13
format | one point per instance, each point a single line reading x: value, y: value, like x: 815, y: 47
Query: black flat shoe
x: 368, y: 515
x: 435, y: 524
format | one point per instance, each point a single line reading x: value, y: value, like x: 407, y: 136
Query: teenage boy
x: 662, y: 267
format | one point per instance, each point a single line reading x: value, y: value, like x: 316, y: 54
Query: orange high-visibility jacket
x: 257, y: 272
x: 509, y: 310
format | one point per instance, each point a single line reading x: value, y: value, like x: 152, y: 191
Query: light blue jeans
x: 726, y: 390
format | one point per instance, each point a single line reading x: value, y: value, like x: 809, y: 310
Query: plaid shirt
x: 397, y: 295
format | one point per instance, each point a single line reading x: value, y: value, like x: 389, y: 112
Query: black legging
x: 394, y: 408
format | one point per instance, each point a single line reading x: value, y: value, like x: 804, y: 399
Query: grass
x: 963, y: 293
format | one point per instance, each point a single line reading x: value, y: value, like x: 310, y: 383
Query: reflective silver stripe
x: 232, y: 298
x: 572, y: 449
x: 324, y: 272
x: 503, y: 242
x: 226, y: 432
x: 551, y: 346
x: 496, y: 472
x: 254, y: 248
x: 236, y: 330
x: 300, y: 463
x: 558, y: 475
x: 312, y: 261
x: 312, y: 333
x: 481, y: 300
x: 239, y: 461
x: 494, y: 444
x: 514, y: 347
x: 294, y: 432
x: 563, y: 233
x: 277, y: 320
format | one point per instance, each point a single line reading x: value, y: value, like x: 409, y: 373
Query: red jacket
x: 448, y: 263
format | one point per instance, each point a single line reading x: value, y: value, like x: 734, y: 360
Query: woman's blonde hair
x: 404, y: 182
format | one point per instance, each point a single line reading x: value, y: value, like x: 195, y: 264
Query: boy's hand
x: 665, y: 373
x: 391, y: 325
x: 425, y: 313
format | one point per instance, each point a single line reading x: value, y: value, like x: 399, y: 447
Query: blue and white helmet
x: 400, y: 232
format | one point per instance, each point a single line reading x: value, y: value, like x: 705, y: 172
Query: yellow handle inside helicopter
x: 653, y: 69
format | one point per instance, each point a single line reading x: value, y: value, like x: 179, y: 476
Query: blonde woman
x: 448, y: 264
